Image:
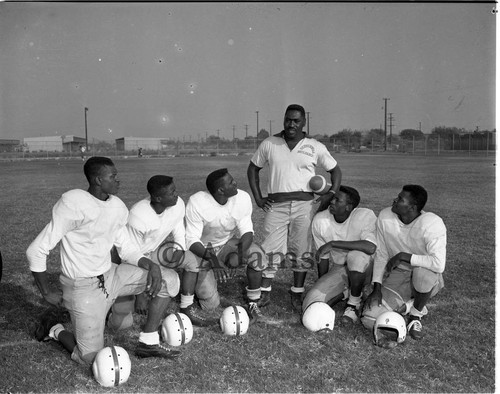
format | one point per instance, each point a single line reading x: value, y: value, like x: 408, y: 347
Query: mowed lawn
x: 457, y: 354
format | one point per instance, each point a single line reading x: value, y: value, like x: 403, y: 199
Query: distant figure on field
x: 292, y: 158
x: 87, y: 223
x: 139, y: 152
x: 410, y: 258
x: 82, y: 151
x: 345, y: 236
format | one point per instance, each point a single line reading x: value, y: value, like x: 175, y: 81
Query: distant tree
x: 444, y: 131
x: 409, y: 134
x: 263, y: 134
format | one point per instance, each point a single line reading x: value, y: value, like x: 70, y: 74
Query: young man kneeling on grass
x: 88, y: 223
x: 411, y: 255
x: 345, y: 236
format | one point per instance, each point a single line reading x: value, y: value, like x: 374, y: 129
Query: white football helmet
x: 318, y: 316
x: 177, y: 329
x: 234, y: 321
x: 111, y: 366
x: 391, y: 323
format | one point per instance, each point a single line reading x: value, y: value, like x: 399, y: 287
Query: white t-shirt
x: 424, y: 238
x: 208, y: 221
x: 359, y: 226
x: 87, y: 228
x: 291, y: 170
x: 148, y: 229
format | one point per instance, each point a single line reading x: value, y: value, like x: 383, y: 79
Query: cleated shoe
x: 142, y: 350
x: 350, y: 315
x: 196, y: 318
x: 254, y: 312
x: 296, y: 299
x: 414, y: 329
x: 48, y: 320
x: 265, y: 299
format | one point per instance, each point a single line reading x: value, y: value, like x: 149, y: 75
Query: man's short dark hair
x: 353, y: 197
x: 296, y: 107
x: 94, y: 164
x: 418, y: 194
x: 158, y: 182
x: 213, y: 179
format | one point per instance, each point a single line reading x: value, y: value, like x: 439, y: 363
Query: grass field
x: 457, y: 354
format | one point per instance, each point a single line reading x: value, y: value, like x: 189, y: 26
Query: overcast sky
x: 189, y: 69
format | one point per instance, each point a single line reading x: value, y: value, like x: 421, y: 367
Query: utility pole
x: 233, y: 131
x: 257, y: 135
x: 385, y: 123
x: 391, y: 118
x: 270, y: 127
x: 86, y: 136
x: 307, y: 113
x: 246, y: 131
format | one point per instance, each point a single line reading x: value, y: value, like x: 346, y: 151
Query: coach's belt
x: 291, y: 196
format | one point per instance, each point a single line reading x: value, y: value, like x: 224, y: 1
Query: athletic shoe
x: 196, y: 318
x: 265, y: 299
x: 142, y: 350
x: 296, y: 299
x: 48, y: 320
x: 414, y: 328
x: 254, y: 312
x: 350, y: 314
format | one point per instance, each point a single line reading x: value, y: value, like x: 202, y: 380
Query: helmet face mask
x: 318, y: 316
x: 111, y: 366
x: 389, y: 326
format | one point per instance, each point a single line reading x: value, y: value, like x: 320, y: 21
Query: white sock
x: 149, y: 338
x: 297, y: 290
x: 265, y: 288
x: 415, y: 312
x: 55, y: 331
x: 253, y: 294
x: 354, y: 301
x: 186, y: 300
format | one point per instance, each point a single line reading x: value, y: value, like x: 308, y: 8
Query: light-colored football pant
x: 287, y: 237
x: 88, y: 302
x: 206, y: 286
x: 336, y: 280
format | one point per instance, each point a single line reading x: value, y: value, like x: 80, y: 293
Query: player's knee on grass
x: 206, y: 290
x: 357, y: 261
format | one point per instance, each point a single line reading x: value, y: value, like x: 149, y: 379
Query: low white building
x: 58, y: 143
x: 134, y: 143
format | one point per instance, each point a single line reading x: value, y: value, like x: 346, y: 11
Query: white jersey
x: 291, y: 170
x: 424, y: 239
x: 359, y: 226
x: 149, y: 229
x: 87, y: 228
x: 207, y: 221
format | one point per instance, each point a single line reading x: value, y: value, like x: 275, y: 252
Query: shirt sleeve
x: 325, y: 159
x: 179, y: 234
x: 381, y: 255
x: 435, y: 245
x: 65, y: 217
x: 369, y: 229
x: 259, y: 158
x: 245, y: 224
x: 127, y: 248
x: 194, y: 225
